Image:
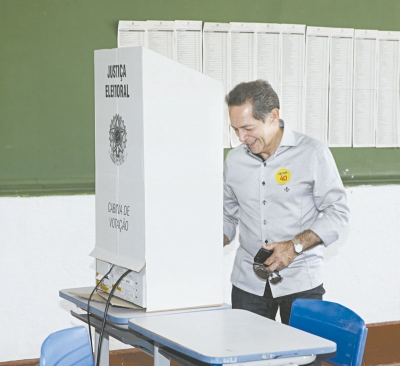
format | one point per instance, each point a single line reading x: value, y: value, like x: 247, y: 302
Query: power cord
x: 103, y: 325
x: 90, y: 299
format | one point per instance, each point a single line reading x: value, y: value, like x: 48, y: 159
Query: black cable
x: 103, y: 325
x: 88, y: 304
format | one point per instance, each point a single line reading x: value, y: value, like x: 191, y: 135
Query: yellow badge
x: 282, y: 176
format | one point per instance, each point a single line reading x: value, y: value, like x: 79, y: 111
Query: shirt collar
x: 288, y: 137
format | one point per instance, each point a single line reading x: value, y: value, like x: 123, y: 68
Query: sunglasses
x: 260, y: 269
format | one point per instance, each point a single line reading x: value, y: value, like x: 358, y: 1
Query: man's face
x: 260, y: 137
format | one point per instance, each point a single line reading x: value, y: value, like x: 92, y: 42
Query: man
x: 282, y: 188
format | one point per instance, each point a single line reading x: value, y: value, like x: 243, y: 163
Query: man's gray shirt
x: 296, y: 189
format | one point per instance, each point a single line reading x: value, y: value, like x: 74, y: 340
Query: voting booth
x: 159, y: 166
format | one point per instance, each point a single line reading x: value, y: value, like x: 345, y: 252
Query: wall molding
x: 382, y: 347
x: 356, y: 166
x: 47, y: 187
x: 78, y: 186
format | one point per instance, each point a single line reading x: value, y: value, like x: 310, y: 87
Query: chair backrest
x: 334, y: 322
x: 66, y: 348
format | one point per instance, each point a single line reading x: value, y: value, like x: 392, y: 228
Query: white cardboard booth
x: 159, y: 166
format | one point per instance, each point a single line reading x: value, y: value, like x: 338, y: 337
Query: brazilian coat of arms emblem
x: 117, y: 139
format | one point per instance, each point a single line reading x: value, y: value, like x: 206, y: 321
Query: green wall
x: 46, y: 79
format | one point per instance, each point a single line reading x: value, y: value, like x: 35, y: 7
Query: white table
x: 117, y: 321
x: 213, y: 335
x: 231, y: 337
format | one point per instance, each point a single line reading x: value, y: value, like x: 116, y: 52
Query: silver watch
x: 298, y: 247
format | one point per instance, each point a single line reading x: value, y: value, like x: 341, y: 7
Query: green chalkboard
x: 46, y: 79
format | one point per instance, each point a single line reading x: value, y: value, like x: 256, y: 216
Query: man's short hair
x: 259, y: 93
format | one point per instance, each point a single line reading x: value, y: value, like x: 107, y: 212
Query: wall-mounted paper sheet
x: 338, y: 85
x: 341, y: 88
x: 315, y: 122
x: 161, y: 35
x: 293, y: 57
x: 132, y: 33
x: 268, y: 46
x: 387, y: 125
x: 365, y: 87
x: 215, y: 62
x: 188, y: 50
x: 242, y: 60
x: 242, y: 52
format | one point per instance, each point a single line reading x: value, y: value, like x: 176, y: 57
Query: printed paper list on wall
x: 161, y: 37
x: 242, y: 46
x: 188, y: 50
x: 364, y: 102
x: 317, y: 71
x: 258, y: 52
x: 338, y: 85
x: 215, y: 62
x: 180, y: 40
x: 292, y: 74
x: 341, y: 87
x: 387, y: 131
x: 269, y: 54
x: 131, y: 34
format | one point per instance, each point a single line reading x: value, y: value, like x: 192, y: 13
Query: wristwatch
x: 298, y: 247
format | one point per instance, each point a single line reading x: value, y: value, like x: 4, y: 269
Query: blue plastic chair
x: 334, y: 322
x: 66, y: 348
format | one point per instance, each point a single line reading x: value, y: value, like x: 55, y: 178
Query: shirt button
x: 263, y: 183
x: 265, y: 223
x: 264, y: 202
x: 265, y: 164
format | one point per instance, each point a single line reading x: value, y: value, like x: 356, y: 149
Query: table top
x: 229, y: 336
x: 120, y: 315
